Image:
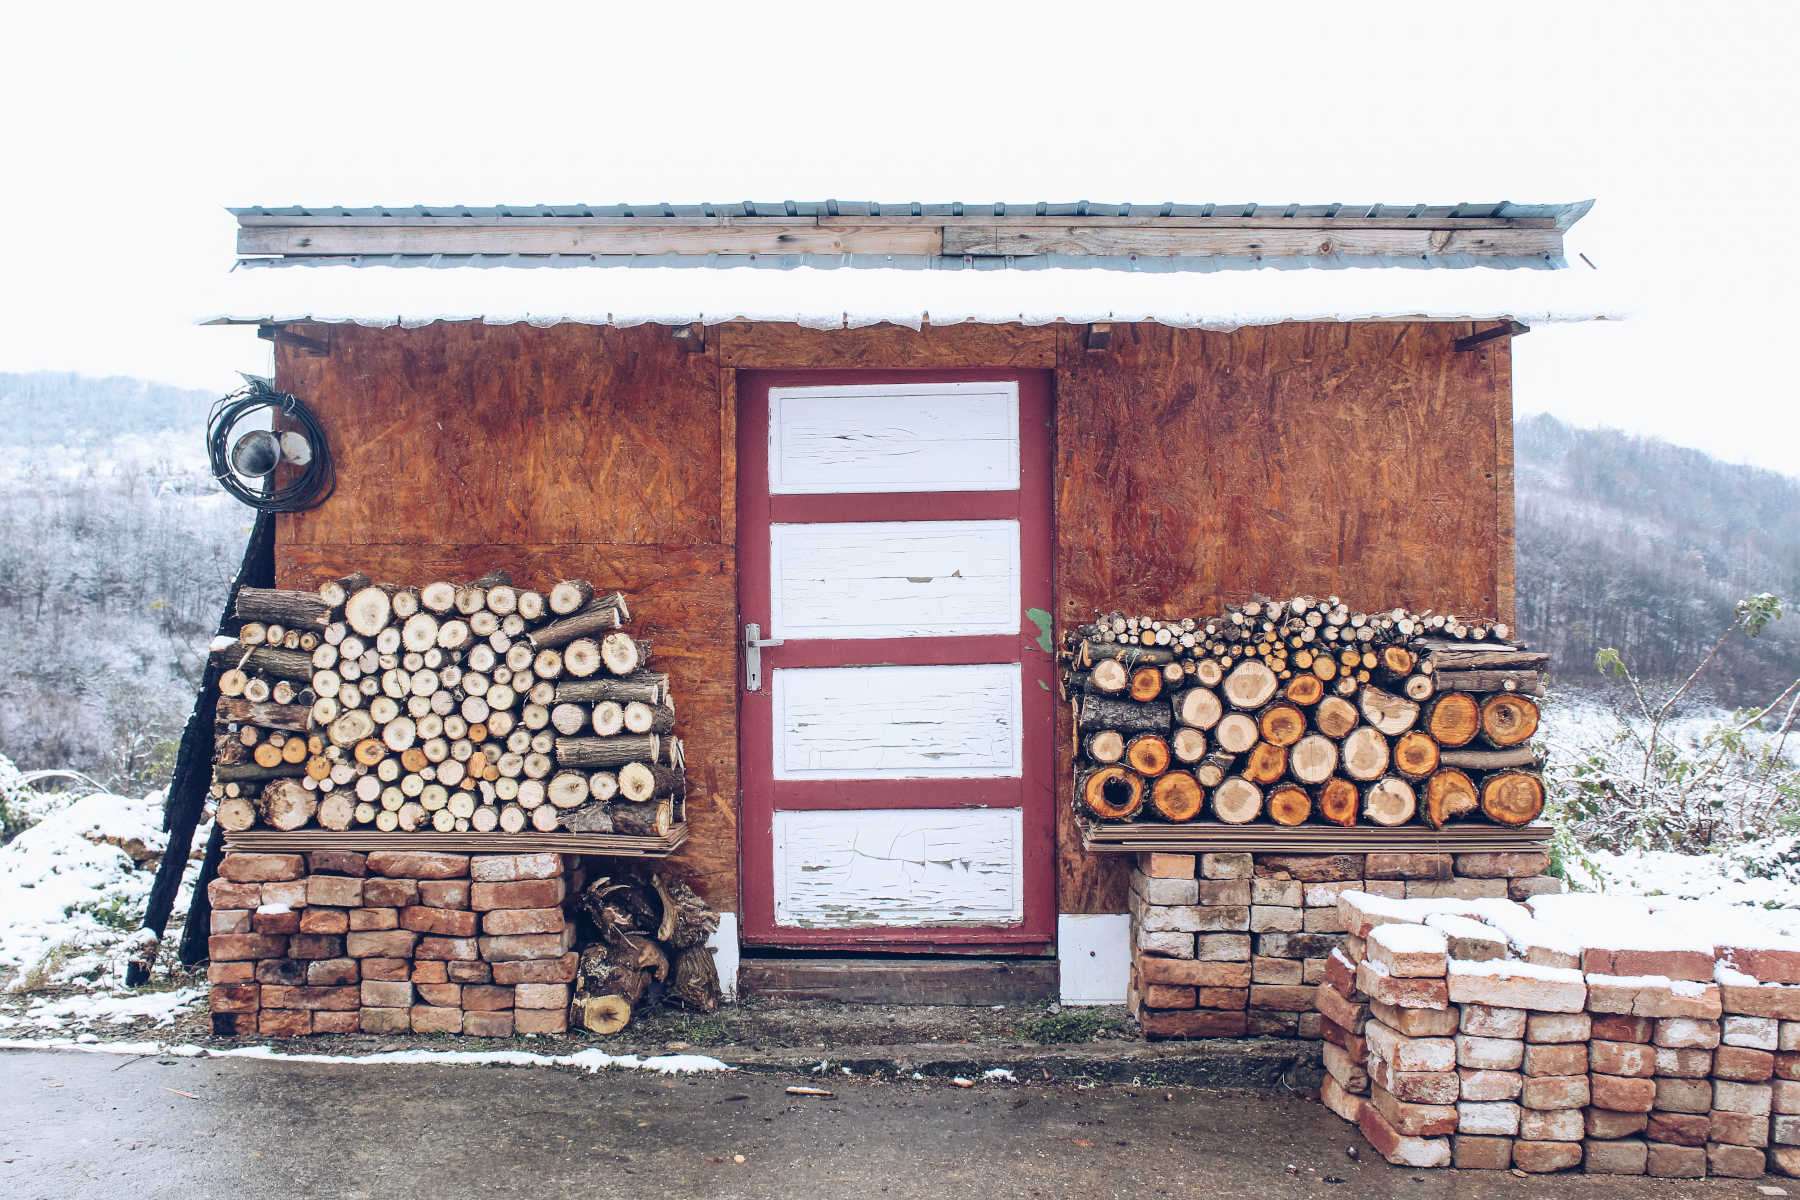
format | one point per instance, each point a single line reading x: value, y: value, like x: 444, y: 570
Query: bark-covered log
x: 295, y: 610
x: 606, y: 752
x: 265, y: 660
x: 291, y: 717
x: 695, y: 982
x: 650, y: 687
x: 1490, y: 760
x: 685, y: 919
x: 1107, y: 712
x: 1527, y: 683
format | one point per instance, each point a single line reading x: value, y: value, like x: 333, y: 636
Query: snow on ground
x: 102, y: 1008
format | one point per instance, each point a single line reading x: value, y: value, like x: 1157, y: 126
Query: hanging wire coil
x: 315, y: 480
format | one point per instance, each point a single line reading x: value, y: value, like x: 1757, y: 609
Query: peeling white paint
x: 723, y: 943
x: 850, y: 869
x: 961, y: 721
x: 881, y: 579
x: 1093, y: 957
x: 920, y: 437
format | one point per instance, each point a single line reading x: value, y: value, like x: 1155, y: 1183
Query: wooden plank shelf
x: 611, y: 845
x: 1196, y: 837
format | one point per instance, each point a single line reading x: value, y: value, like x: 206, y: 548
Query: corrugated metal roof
x: 1563, y: 214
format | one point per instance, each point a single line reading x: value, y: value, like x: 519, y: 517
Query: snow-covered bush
x: 1657, y: 783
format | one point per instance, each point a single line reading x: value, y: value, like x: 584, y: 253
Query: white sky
x: 127, y: 130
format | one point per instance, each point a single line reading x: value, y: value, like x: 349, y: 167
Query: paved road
x: 79, y: 1125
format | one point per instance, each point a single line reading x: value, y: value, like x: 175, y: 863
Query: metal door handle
x: 754, y: 642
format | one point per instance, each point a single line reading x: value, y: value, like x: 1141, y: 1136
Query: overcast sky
x: 127, y: 132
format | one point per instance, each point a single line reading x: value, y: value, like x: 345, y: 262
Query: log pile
x: 645, y: 939
x: 1304, y: 710
x: 450, y: 707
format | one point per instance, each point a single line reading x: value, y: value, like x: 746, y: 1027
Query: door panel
x: 894, y: 543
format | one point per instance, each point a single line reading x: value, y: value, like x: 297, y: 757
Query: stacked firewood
x: 645, y: 939
x: 1304, y: 709
x: 449, y: 707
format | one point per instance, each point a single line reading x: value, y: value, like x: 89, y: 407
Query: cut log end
x: 1289, y: 805
x: 1177, y: 796
x: 1112, y: 793
x: 1512, y: 798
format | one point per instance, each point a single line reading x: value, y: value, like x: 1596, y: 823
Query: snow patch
x: 1507, y: 969
x: 1409, y: 939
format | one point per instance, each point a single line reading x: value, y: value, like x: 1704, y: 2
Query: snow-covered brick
x: 1488, y: 1020
x: 1555, y: 1091
x: 1373, y: 980
x: 1415, y: 1087
x: 1536, y: 942
x: 1468, y: 938
x: 1416, y: 1022
x: 1622, y: 935
x: 1652, y: 996
x: 1552, y: 1124
x: 1410, y: 951
x: 1750, y: 1099
x: 1518, y: 985
x: 1490, y: 1085
x: 1743, y: 995
x: 1686, y: 1033
x: 1404, y: 1053
x: 1559, y: 1027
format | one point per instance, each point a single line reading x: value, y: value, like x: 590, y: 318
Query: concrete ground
x: 79, y: 1125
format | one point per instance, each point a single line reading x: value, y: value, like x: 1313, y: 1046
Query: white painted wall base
x: 724, y: 945
x: 1093, y: 954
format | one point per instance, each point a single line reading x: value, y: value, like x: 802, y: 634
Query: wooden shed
x: 857, y: 465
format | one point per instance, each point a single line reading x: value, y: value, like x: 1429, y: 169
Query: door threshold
x: 899, y: 979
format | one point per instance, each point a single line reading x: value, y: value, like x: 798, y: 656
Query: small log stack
x: 1304, y: 710
x: 646, y: 939
x: 450, y: 707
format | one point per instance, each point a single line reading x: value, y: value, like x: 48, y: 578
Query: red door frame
x: 1035, y: 790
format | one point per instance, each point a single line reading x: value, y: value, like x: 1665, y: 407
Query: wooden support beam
x: 1509, y: 329
x: 999, y: 239
x: 1098, y: 336
x: 801, y: 237
x: 281, y: 336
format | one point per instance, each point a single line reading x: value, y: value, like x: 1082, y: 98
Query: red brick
x: 324, y: 920
x: 1166, y: 995
x: 1787, y: 1065
x: 261, y: 868
x: 541, y: 995
x: 1235, y: 892
x: 1617, y: 1093
x: 1616, y: 1027
x: 1278, y: 998
x: 1340, y: 973
x: 1416, y: 1087
x: 390, y: 893
x: 235, y: 998
x: 1785, y: 1160
x: 426, y: 1019
x: 446, y: 922
x: 560, y: 969
x: 1223, y: 998
x: 1281, y: 971
x: 1742, y: 1064
x: 335, y: 998
x: 1407, y: 866
x: 1769, y: 964
x: 1481, y: 1153
x: 380, y: 943
x: 1311, y: 868
x: 416, y: 864
x: 1604, y: 1157
x: 1630, y: 1059
x: 1410, y: 1119
x: 1552, y: 1124
x: 1560, y: 1058
x: 1676, y: 1162
x: 431, y: 971
x: 1398, y: 1148
x: 385, y: 1020
x: 468, y: 972
x: 363, y: 919
x: 316, y: 945
x: 287, y: 972
x: 1542, y: 1158
x: 487, y: 998
x: 463, y: 948
x: 540, y: 1020
x: 1167, y: 866
x: 440, y: 995
x: 488, y: 1024
x: 1602, y: 1123
x: 1488, y: 1086
x: 1671, y: 964
x: 338, y: 862
x: 386, y: 994
x: 1271, y: 1024
x: 337, y: 1022
x: 1737, y: 1129
x: 1514, y: 865
x: 1684, y: 1095
x: 276, y: 924
x: 526, y: 893
x: 386, y: 968
x: 1184, y: 972
x: 1227, y: 866
x: 1555, y: 1091
x: 230, y: 972
x: 1403, y: 992
x: 1348, y: 1015
x: 1680, y: 1129
x: 1192, y: 1023
x: 283, y: 1022
x: 228, y: 947
x: 526, y: 945
x: 1683, y: 1062
x: 1770, y: 1000
x: 337, y: 891
x: 230, y: 920
x: 332, y: 972
x: 1735, y: 1162
x: 504, y: 868
x: 444, y: 893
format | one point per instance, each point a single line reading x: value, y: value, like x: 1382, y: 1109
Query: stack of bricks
x: 1234, y: 945
x: 1488, y: 1035
x: 391, y: 942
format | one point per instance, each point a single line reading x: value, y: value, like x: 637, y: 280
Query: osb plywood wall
x: 1371, y: 460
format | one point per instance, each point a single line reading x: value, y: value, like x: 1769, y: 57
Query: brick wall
x: 1229, y: 945
x: 391, y: 942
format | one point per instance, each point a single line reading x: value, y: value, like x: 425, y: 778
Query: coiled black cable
x: 316, y: 479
